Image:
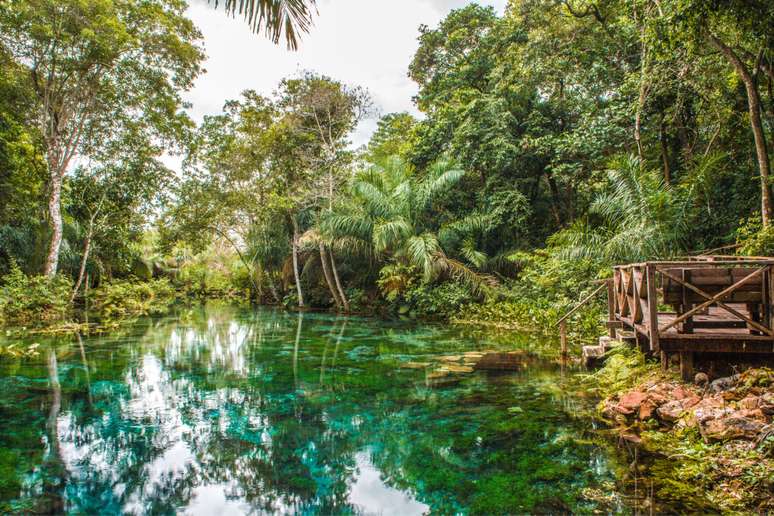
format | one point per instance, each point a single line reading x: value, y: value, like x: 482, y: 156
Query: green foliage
x: 625, y: 367
x: 548, y: 286
x: 753, y: 239
x: 118, y: 299
x: 33, y: 300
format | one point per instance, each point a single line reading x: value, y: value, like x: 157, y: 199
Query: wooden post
x: 563, y: 339
x: 610, y: 308
x: 686, y: 365
x: 688, y: 323
x: 664, y: 361
x: 650, y: 272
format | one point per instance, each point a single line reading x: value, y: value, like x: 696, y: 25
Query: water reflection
x: 226, y: 411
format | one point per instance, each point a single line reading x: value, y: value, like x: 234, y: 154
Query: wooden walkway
x: 709, y: 304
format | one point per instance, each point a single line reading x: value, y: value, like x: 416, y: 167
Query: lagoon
x: 226, y: 410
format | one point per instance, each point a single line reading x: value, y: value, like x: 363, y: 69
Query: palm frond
x: 274, y: 17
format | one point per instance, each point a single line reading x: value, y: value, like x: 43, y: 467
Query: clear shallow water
x: 223, y: 410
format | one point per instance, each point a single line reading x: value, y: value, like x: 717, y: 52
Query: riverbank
x: 706, y: 446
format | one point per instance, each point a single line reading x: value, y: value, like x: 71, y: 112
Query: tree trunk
x: 328, y: 278
x: 272, y: 288
x: 754, y: 106
x: 664, y: 152
x: 296, y: 275
x: 84, y: 259
x: 55, y: 214
x: 343, y: 296
x: 555, y: 198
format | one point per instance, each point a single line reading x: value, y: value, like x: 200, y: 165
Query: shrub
x: 547, y: 288
x: 753, y: 239
x: 438, y: 301
x: 33, y: 300
x: 123, y: 298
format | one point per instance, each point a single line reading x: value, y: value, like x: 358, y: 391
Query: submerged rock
x: 500, y: 362
x: 415, y: 365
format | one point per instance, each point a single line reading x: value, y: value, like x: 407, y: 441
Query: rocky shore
x: 710, y: 444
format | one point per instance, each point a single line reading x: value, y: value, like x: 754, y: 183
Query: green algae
x: 260, y: 410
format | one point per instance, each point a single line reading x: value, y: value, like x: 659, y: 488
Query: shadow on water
x: 221, y: 410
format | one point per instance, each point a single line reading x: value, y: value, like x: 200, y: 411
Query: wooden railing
x: 690, y: 288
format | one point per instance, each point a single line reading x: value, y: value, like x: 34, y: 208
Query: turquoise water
x: 222, y: 410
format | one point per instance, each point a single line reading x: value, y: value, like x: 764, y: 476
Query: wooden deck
x: 703, y: 305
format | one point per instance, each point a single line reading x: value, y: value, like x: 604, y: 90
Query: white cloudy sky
x: 361, y: 42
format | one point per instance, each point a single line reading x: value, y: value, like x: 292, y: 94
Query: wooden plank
x: 735, y: 297
x: 685, y: 304
x: 686, y: 365
x: 635, y: 299
x: 713, y: 300
x: 718, y: 346
x: 716, y: 300
x: 610, y: 308
x: 650, y: 272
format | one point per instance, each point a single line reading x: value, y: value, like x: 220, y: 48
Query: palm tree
x: 383, y: 217
x: 639, y: 216
x: 274, y: 17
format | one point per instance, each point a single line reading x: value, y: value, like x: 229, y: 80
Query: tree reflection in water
x: 231, y: 410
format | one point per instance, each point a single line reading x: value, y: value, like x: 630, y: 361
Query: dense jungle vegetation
x: 557, y: 139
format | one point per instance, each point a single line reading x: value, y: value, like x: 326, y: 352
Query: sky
x: 366, y: 43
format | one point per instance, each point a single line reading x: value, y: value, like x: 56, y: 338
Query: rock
x: 680, y: 393
x: 756, y: 414
x: 450, y: 358
x: 632, y: 400
x: 671, y: 411
x: 766, y: 403
x: 657, y: 399
x: 690, y: 401
x: 731, y: 427
x: 749, y: 403
x: 592, y: 355
x: 458, y: 368
x: 647, y: 408
x: 723, y: 384
x: 499, y: 362
x: 710, y: 408
x: 414, y: 365
x: 701, y: 379
x: 631, y: 437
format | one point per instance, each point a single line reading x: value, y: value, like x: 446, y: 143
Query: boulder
x: 592, y: 356
x: 414, y: 365
x: 710, y: 408
x: 724, y: 384
x: 766, y: 403
x: 701, y: 379
x: 671, y: 411
x: 749, y: 403
x: 632, y: 400
x: 731, y: 427
x: 499, y: 362
x: 458, y: 368
x: 647, y: 408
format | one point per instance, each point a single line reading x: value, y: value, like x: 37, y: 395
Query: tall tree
x: 324, y: 112
x: 92, y: 64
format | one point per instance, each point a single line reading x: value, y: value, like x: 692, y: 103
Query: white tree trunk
x: 84, y: 259
x: 296, y: 274
x: 55, y: 214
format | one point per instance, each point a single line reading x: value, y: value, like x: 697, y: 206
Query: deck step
x: 593, y: 356
x: 608, y: 343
